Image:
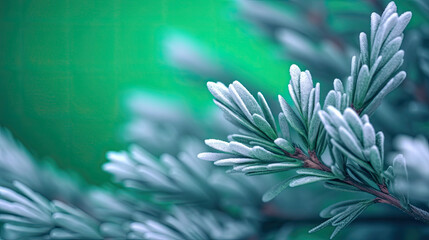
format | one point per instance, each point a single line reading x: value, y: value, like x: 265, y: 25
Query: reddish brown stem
x: 383, y: 195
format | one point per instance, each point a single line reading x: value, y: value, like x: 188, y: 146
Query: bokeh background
x: 65, y: 67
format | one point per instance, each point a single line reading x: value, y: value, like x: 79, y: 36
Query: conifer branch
x: 342, y: 126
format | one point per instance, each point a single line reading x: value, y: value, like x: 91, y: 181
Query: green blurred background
x: 65, y: 66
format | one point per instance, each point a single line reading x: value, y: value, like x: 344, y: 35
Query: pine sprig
x: 188, y: 223
x: 28, y: 215
x: 260, y: 147
x: 357, y: 152
x: 182, y: 180
x: 306, y: 99
x: 342, y: 214
x: 356, y: 139
x: 171, y: 179
x: 375, y: 73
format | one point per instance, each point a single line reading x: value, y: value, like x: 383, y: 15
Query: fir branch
x: 182, y: 180
x: 187, y: 223
x: 139, y: 170
x: 374, y: 73
x: 29, y: 215
x: 357, y: 152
